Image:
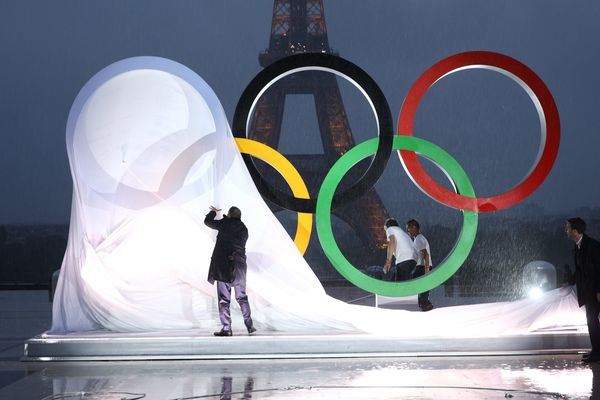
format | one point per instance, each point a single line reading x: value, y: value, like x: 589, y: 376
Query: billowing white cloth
x: 150, y: 150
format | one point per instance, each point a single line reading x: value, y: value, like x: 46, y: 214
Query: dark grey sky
x: 51, y: 48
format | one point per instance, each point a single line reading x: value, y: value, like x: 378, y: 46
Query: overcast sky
x: 51, y: 48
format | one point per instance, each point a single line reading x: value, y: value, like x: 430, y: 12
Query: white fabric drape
x: 150, y: 149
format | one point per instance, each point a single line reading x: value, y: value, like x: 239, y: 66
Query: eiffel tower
x: 298, y: 26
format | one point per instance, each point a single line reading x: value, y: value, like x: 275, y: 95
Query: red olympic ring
x: 539, y: 94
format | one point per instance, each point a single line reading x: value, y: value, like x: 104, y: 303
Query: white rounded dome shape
x: 130, y: 120
x: 137, y: 134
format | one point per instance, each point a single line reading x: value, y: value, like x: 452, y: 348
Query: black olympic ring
x: 341, y: 67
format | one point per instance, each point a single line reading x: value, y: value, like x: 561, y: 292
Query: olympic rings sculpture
x: 292, y: 178
x: 407, y: 146
x: 338, y: 66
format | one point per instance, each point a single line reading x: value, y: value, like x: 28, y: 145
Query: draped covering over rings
x: 150, y: 149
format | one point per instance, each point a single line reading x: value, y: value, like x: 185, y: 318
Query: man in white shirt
x: 421, y: 246
x: 401, y: 248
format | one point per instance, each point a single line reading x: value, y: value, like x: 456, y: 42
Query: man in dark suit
x: 587, y: 278
x: 228, y: 266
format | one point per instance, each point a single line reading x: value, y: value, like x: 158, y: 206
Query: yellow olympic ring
x: 285, y: 168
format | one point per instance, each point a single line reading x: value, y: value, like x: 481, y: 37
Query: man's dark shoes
x: 223, y: 332
x: 251, y: 330
x: 589, y: 358
x: 426, y: 307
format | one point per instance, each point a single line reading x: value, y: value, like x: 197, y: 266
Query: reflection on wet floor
x: 25, y: 314
x: 499, y: 377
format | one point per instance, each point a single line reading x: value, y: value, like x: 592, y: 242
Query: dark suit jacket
x: 230, y: 249
x: 587, y: 270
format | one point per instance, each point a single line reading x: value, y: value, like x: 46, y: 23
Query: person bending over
x: 400, y: 247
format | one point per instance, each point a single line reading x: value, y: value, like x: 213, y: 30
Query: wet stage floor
x: 518, y: 377
x: 26, y: 314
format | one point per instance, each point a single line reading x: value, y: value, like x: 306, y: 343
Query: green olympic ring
x: 385, y: 288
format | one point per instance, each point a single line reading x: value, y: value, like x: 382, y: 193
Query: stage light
x: 535, y: 292
x: 538, y: 277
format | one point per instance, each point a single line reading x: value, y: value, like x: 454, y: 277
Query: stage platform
x: 288, y: 345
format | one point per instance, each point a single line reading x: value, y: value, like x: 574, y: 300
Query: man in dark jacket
x: 587, y: 278
x: 228, y: 266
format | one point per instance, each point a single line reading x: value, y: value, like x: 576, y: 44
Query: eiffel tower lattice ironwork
x: 299, y: 26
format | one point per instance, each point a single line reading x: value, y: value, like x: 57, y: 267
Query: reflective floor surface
x: 25, y: 314
x: 518, y: 377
